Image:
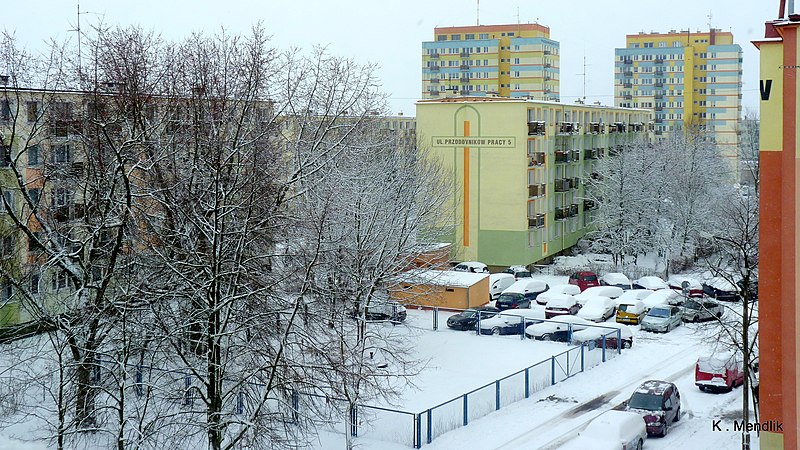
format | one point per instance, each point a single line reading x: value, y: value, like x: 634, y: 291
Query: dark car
x: 659, y: 404
x: 466, y: 320
x: 584, y: 280
x: 391, y: 311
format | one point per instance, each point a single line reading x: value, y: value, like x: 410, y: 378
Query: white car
x: 499, y: 282
x: 662, y: 297
x: 561, y: 304
x: 557, y: 329
x: 598, y: 309
x: 616, y: 279
x: 606, y: 291
x: 569, y: 289
x: 650, y: 282
x: 617, y: 430
x: 521, y: 294
x: 471, y: 266
x: 609, y: 330
x: 512, y: 321
x: 631, y: 296
x: 518, y: 272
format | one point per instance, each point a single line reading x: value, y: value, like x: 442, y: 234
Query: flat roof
x: 475, y: 99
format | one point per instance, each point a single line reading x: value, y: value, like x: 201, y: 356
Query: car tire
x: 496, y: 331
x: 626, y: 345
x: 677, y: 415
x: 639, y: 445
x: 696, y: 318
x: 547, y: 337
x: 666, y: 430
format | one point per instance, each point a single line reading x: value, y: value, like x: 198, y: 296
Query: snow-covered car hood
x: 653, y: 320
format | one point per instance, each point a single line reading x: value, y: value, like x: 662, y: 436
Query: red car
x: 584, y: 280
x: 659, y: 404
x: 718, y: 373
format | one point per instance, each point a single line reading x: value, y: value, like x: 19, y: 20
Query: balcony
x: 589, y: 205
x: 547, y: 64
x: 575, y: 155
x: 434, y: 68
x: 658, y: 96
x: 627, y: 97
x: 434, y: 81
x: 464, y: 80
x: 595, y: 128
x: 561, y: 157
x: 464, y: 92
x: 537, y: 159
x: 627, y: 85
x: 536, y: 128
x: 590, y: 153
x: 562, y: 213
x: 658, y: 84
x: 547, y: 78
x: 536, y: 222
x: 659, y: 108
x: 658, y: 61
x: 659, y: 120
x: 569, y: 127
x: 433, y: 93
x: 627, y: 74
x: 463, y: 67
x: 547, y: 52
x: 66, y: 213
x: 464, y: 54
x: 573, y: 210
x: 562, y: 185
x: 627, y: 62
x: 636, y: 127
x: 537, y: 190
x: 659, y: 73
x: 434, y: 56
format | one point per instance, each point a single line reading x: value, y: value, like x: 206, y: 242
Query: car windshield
x: 649, y: 402
x: 624, y: 308
x: 590, y: 278
x: 691, y: 304
x: 468, y: 313
x: 523, y: 274
x: 509, y: 298
x: 659, y: 312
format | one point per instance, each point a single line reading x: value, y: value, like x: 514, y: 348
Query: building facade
x: 518, y: 60
x: 779, y: 238
x: 519, y: 169
x: 685, y: 78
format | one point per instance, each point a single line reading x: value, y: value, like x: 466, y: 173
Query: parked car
x: 391, y: 311
x: 662, y: 319
x: 632, y: 295
x: 559, y: 329
x: 561, y: 304
x: 695, y: 287
x: 663, y: 297
x: 658, y: 403
x: 721, y: 290
x: 569, y: 289
x: 466, y: 320
x: 520, y: 294
x: 617, y: 430
x: 594, y: 335
x: 616, y: 279
x: 650, y: 282
x: 719, y: 372
x: 612, y: 292
x: 697, y: 309
x: 512, y: 321
x: 471, y: 266
x: 631, y: 311
x: 598, y: 309
x: 584, y: 280
x: 518, y: 272
x: 499, y: 282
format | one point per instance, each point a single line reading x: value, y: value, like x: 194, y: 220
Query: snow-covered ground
x: 555, y: 415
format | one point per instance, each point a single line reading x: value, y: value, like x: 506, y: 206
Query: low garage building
x: 441, y: 288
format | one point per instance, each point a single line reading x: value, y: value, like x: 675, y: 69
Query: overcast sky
x: 390, y: 33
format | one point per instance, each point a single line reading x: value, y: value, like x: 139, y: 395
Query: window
x: 5, y: 110
x: 34, y: 286
x: 662, y: 44
x: 648, y: 45
x: 35, y: 194
x: 62, y: 154
x: 5, y: 155
x: 483, y: 36
x: 455, y: 37
x: 511, y: 33
x: 8, y: 197
x: 441, y: 38
x: 62, y: 197
x: 34, y: 156
x: 33, y: 111
x: 7, y: 246
x: 59, y: 280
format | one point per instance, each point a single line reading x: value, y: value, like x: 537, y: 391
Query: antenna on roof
x: 709, y: 19
x: 478, y: 13
x: 584, y: 75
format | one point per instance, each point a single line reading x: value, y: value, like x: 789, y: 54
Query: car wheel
x: 496, y: 331
x: 639, y: 445
x: 702, y: 388
x: 547, y: 337
x: 626, y: 344
x: 677, y: 415
x: 696, y: 318
x: 666, y: 429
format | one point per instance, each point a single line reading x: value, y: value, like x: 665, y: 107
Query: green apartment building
x: 518, y: 169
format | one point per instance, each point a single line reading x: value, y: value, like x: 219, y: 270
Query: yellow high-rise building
x: 518, y: 60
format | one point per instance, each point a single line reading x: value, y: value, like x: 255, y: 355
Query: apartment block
x: 518, y: 60
x: 519, y: 170
x: 684, y: 78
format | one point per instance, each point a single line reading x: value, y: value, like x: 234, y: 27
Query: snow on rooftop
x: 442, y: 277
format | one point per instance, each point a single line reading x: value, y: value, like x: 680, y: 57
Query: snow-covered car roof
x: 656, y: 387
x: 718, y: 362
x: 631, y: 296
x: 676, y: 281
x: 513, y: 316
x: 570, y: 289
x: 601, y: 329
x: 517, y: 268
x: 499, y: 276
x: 526, y: 285
x: 561, y: 323
x: 613, y: 425
x: 594, y: 291
x: 598, y: 302
x: 560, y: 301
x: 660, y: 297
x: 638, y: 306
x: 652, y: 283
x: 613, y: 278
x: 478, y: 266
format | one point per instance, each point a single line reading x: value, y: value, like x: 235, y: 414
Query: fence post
x: 466, y: 411
x: 583, y: 363
x: 522, y: 331
x: 240, y: 403
x: 497, y: 394
x: 353, y: 421
x: 435, y: 318
x: 478, y: 324
x: 527, y: 382
x: 553, y: 370
x: 604, y: 348
x: 418, y: 430
x: 619, y: 341
x: 295, y: 405
x: 430, y: 426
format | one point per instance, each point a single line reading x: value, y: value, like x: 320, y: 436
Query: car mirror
x: 668, y: 408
